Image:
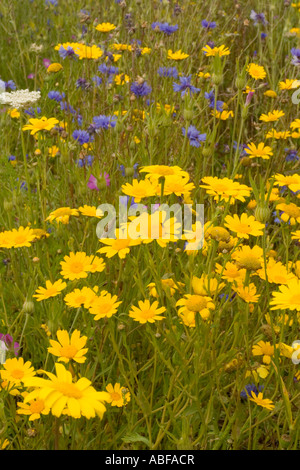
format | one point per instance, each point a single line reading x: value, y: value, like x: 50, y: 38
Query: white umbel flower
x: 18, y: 99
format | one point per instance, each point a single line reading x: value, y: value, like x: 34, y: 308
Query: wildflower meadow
x: 149, y: 225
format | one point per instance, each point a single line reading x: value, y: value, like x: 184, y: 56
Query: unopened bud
x: 28, y: 307
x: 262, y: 212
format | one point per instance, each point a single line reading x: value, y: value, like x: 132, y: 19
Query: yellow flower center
x: 115, y: 396
x: 37, y: 406
x: 17, y: 374
x: 68, y: 389
x: 80, y: 299
x: 51, y: 291
x: 249, y: 262
x: 76, y: 267
x: 105, y: 307
x: 68, y: 351
x: 196, y: 303
x: 20, y: 239
x: 244, y: 228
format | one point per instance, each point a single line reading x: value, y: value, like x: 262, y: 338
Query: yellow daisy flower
x: 118, y: 396
x: 146, y: 312
x: 51, y: 290
x: 63, y: 396
x: 69, y: 348
x: 76, y: 266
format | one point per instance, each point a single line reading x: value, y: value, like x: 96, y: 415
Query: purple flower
x: 83, y: 84
x: 211, y: 98
x: 10, y: 344
x: 167, y: 72
x: 82, y: 137
x: 66, y: 52
x: 97, y: 80
x: 56, y: 96
x: 194, y: 136
x: 33, y: 112
x: 296, y: 56
x: 46, y: 62
x: 185, y: 85
x: 249, y: 98
x: 86, y: 161
x: 104, y: 122
x: 164, y: 27
x: 292, y: 155
x: 208, y: 25
x: 140, y: 89
x: 103, y: 181
x: 258, y: 18
x: 10, y: 85
x: 92, y: 183
x: 246, y: 393
x: 108, y: 70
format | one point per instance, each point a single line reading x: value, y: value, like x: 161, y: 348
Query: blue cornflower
x: 97, y: 80
x: 296, y: 56
x: 33, y: 112
x: 164, y: 27
x: 167, y: 72
x: 109, y: 70
x: 208, y: 25
x: 51, y: 2
x: 242, y: 148
x: 82, y: 137
x: 104, y: 122
x: 167, y: 28
x: 67, y: 107
x: 292, y: 155
x: 83, y: 84
x: 246, y: 393
x: 86, y: 161
x: 185, y: 85
x: 258, y: 18
x: 10, y: 85
x: 211, y: 98
x: 140, y: 89
x: 194, y: 136
x: 66, y: 52
x: 56, y: 96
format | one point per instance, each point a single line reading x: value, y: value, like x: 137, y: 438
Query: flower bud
x: 217, y: 79
x: 8, y: 205
x: 262, y: 212
x: 28, y: 307
x: 240, y: 82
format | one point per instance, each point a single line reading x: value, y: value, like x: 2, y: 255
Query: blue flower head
x: 104, y: 122
x: 296, y: 56
x: 185, y: 85
x: 66, y: 52
x: 167, y: 72
x: 246, y: 392
x: 208, y: 25
x: 140, y: 89
x: 211, y: 98
x: 194, y: 136
x: 82, y: 137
